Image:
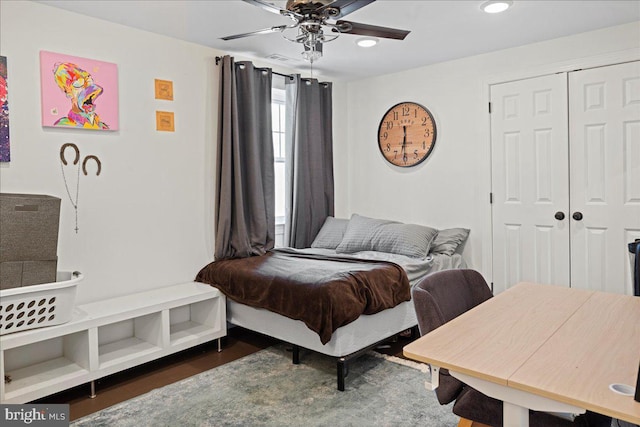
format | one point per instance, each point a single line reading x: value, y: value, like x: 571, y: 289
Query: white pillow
x: 331, y: 233
x: 447, y: 241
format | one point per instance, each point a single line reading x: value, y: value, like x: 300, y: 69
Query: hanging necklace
x: 74, y: 203
x: 63, y: 162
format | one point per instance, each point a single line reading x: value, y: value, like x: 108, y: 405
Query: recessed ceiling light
x: 496, y: 6
x: 367, y: 42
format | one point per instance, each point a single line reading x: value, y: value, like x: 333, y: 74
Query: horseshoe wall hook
x: 84, y: 164
x: 77, y: 150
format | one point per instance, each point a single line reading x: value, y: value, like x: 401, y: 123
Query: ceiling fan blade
x: 346, y: 6
x: 348, y: 27
x: 279, y: 28
x: 265, y: 5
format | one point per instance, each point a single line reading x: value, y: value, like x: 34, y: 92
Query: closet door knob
x: 559, y: 216
x: 577, y: 216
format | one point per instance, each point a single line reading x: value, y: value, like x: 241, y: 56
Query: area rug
x: 266, y: 389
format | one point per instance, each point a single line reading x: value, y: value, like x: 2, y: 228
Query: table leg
x: 514, y: 415
x: 516, y: 402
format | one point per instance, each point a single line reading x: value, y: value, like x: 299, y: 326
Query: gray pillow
x: 331, y: 233
x: 370, y: 234
x: 447, y: 241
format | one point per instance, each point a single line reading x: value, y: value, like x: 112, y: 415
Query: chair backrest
x: 441, y: 297
x: 444, y: 295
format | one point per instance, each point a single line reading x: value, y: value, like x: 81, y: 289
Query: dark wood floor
x: 134, y: 382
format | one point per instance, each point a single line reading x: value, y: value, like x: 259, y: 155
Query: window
x: 278, y: 97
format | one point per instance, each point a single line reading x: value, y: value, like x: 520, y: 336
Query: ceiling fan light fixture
x: 496, y: 6
x: 312, y: 53
x: 367, y: 42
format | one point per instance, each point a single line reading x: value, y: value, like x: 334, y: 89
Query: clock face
x: 407, y: 134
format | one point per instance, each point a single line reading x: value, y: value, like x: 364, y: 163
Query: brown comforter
x: 324, y: 292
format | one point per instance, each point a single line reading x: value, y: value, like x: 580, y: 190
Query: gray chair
x: 443, y: 296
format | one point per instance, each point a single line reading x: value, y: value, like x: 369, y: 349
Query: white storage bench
x: 109, y: 336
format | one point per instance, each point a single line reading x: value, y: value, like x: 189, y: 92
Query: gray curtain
x: 245, y: 193
x: 309, y: 157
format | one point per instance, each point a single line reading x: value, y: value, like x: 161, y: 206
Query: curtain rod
x: 219, y: 58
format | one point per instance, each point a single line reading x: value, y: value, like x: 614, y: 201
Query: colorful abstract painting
x: 5, y: 152
x: 78, y: 92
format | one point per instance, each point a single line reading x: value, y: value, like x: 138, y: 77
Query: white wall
x: 147, y: 220
x: 451, y: 188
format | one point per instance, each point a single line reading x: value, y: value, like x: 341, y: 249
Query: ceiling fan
x: 312, y: 26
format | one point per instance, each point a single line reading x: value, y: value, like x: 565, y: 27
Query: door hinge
x: 490, y: 198
x: 489, y: 108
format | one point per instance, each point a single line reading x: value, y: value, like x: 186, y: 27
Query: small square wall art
x: 165, y: 121
x: 164, y: 89
x: 5, y: 153
x: 78, y: 92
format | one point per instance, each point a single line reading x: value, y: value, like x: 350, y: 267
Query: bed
x: 370, y: 250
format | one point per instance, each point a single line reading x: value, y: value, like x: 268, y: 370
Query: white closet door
x: 529, y: 131
x: 604, y: 118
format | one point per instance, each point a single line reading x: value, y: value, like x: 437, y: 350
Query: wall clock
x: 407, y: 134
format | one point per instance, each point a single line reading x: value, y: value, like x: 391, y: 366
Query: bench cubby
x: 109, y: 336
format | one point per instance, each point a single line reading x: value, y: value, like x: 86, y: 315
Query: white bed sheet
x: 416, y: 268
x: 359, y: 334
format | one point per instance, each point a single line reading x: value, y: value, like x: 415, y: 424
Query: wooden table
x: 543, y: 347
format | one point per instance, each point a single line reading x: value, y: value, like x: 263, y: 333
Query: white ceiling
x: 440, y: 30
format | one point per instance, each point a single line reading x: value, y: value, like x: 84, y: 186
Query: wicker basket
x: 37, y: 306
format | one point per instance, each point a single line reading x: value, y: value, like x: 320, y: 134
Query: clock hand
x: 404, y: 144
x: 404, y: 138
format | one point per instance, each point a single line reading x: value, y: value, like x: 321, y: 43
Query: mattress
x: 359, y: 334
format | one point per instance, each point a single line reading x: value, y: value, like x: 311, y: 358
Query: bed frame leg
x: 93, y: 390
x: 415, y: 333
x: 342, y: 373
x: 295, y: 354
